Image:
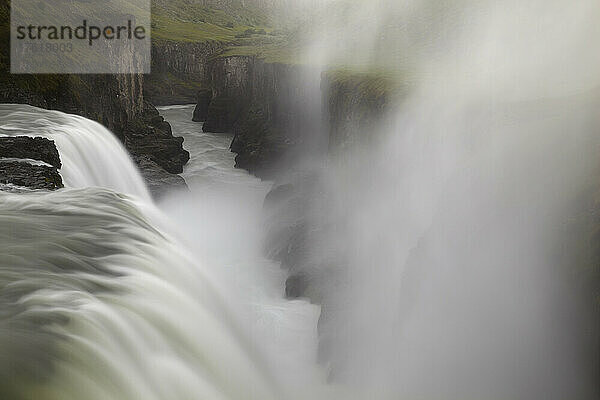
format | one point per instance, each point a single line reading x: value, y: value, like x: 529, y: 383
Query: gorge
x: 309, y: 200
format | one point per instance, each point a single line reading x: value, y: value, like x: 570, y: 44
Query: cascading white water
x: 90, y: 154
x: 100, y: 301
x: 98, y: 304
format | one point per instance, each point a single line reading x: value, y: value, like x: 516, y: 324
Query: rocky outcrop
x: 116, y: 101
x: 288, y: 208
x: 222, y: 114
x: 354, y: 106
x: 203, y: 100
x: 230, y: 84
x: 150, y: 136
x: 29, y: 164
x: 24, y: 147
x: 20, y: 175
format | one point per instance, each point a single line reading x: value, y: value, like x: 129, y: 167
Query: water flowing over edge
x: 91, y: 155
x: 101, y: 302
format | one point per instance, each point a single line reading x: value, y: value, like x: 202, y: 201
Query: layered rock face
x: 29, y: 164
x: 179, y: 71
x: 115, y: 101
x: 112, y: 100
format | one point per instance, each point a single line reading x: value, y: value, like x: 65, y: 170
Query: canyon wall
x: 273, y: 109
x: 179, y: 71
x: 355, y: 105
x: 115, y: 101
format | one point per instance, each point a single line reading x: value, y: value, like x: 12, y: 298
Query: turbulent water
x: 90, y: 154
x: 102, y: 300
x: 445, y: 256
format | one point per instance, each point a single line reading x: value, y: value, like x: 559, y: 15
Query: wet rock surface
x: 32, y: 148
x: 151, y: 137
x: 28, y: 176
x: 16, y: 175
x: 222, y: 114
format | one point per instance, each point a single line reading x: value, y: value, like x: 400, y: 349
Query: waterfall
x: 101, y: 298
x: 99, y: 304
x: 90, y: 154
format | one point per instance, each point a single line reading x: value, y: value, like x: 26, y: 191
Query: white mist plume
x: 441, y: 263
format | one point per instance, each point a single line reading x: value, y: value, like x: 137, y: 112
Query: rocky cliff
x: 179, y: 71
x: 270, y: 108
x: 355, y: 105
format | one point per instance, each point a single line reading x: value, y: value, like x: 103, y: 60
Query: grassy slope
x: 245, y: 30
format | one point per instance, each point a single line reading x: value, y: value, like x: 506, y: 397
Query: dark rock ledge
x: 21, y: 175
x: 31, y: 148
x: 151, y: 137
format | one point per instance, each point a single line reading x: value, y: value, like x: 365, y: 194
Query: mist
x: 444, y: 255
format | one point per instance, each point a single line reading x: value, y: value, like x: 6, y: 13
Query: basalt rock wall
x: 179, y: 71
x: 273, y: 110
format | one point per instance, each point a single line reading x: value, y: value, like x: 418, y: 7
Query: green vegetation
x: 189, y: 21
x: 245, y: 30
x: 219, y: 13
